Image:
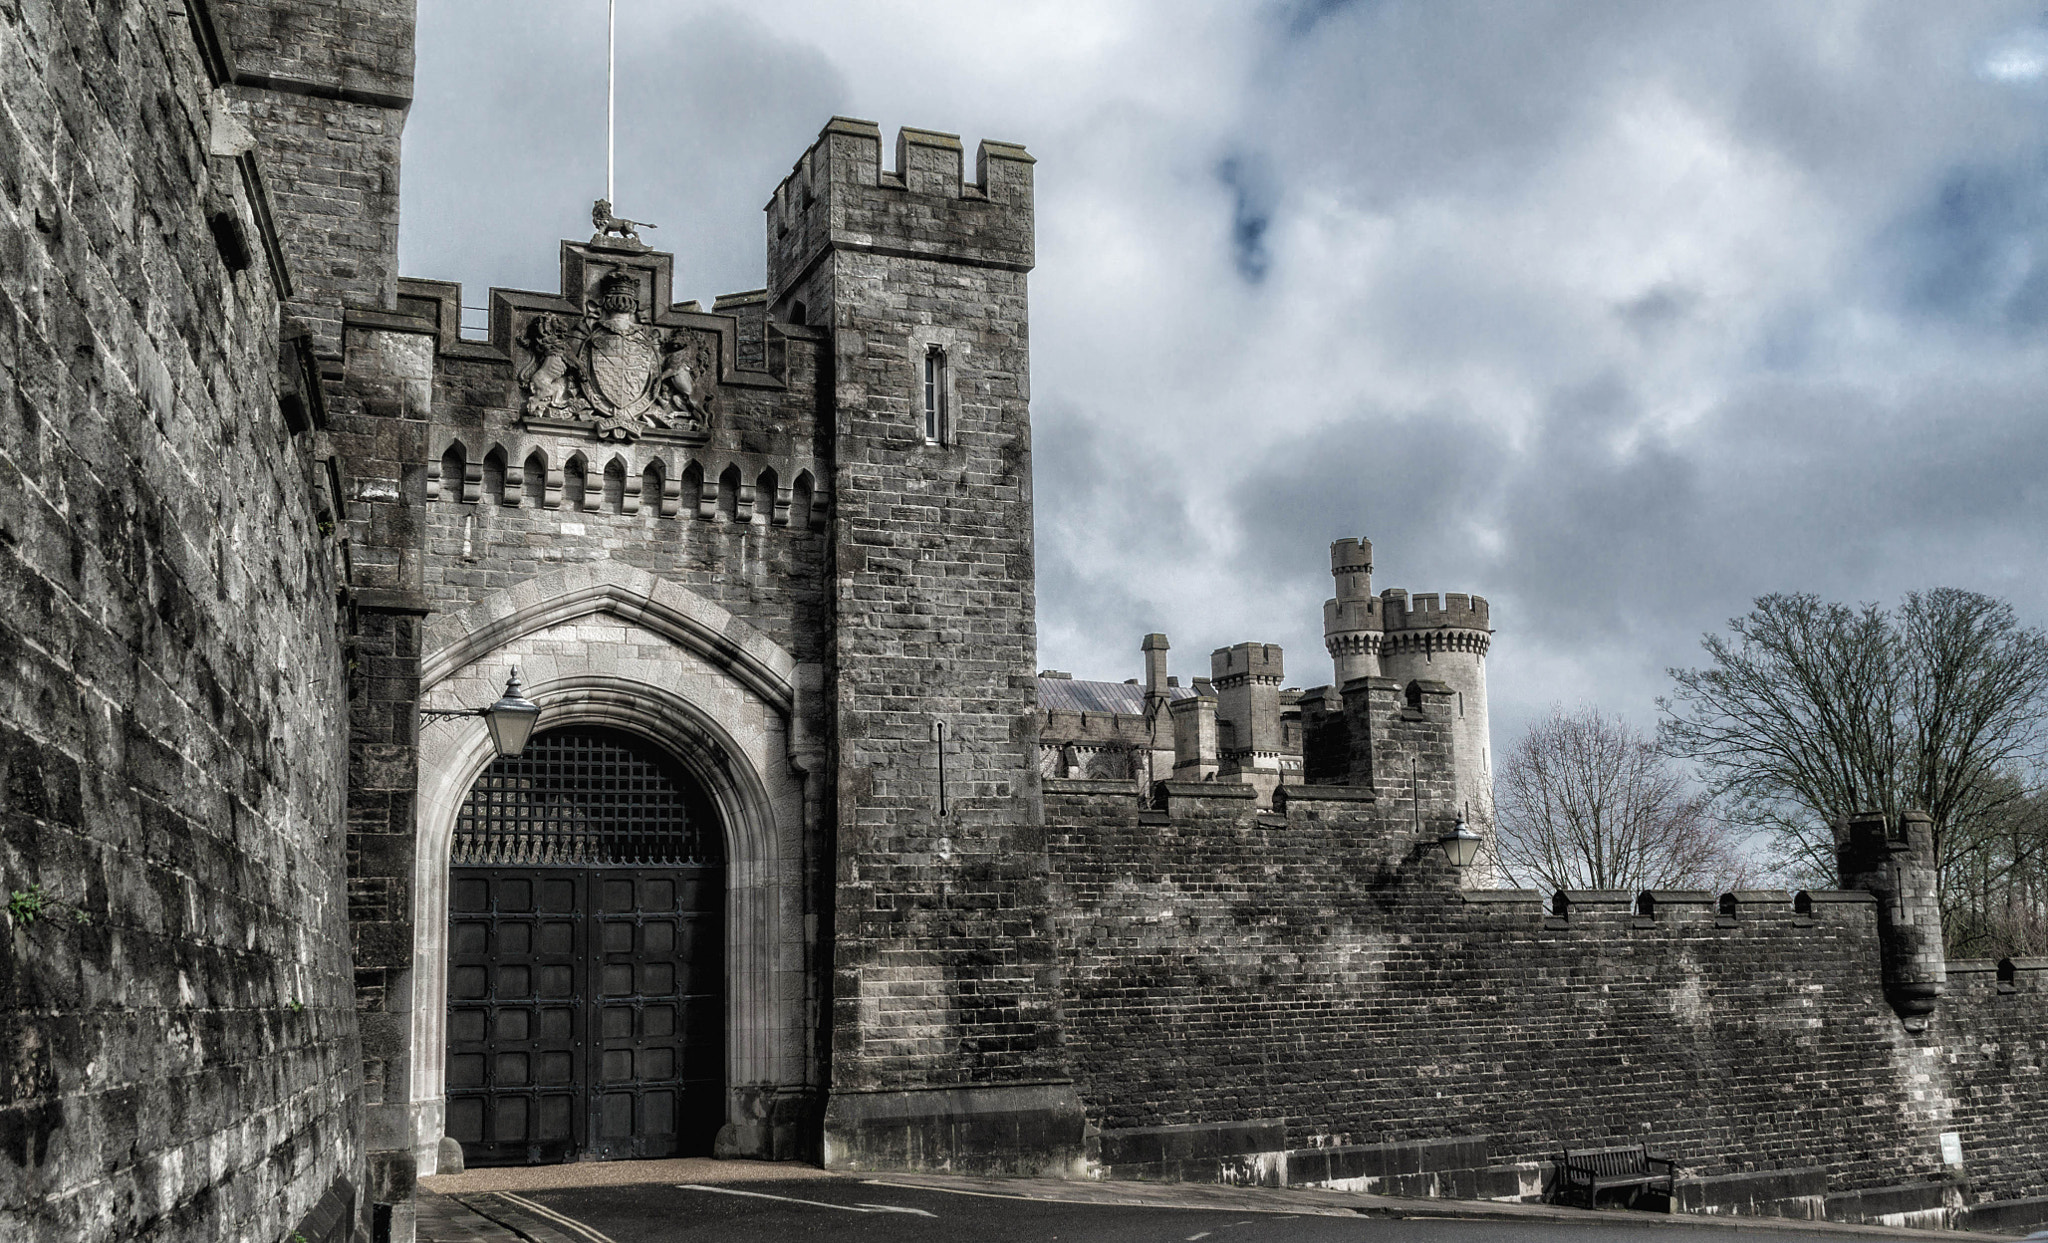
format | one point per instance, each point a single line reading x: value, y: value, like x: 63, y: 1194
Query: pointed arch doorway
x: 586, y: 964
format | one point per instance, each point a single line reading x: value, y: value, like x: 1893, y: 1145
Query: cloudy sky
x: 1619, y: 314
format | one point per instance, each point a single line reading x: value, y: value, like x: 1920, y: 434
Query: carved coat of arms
x: 613, y: 371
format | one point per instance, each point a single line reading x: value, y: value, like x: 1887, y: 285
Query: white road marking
x: 1193, y: 1237
x: 891, y: 1208
x: 844, y: 1208
x: 542, y: 1210
x: 1115, y: 1201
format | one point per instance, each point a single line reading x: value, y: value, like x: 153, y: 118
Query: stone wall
x: 1992, y: 1023
x: 484, y: 517
x: 944, y: 1032
x: 178, y: 1051
x: 378, y: 431
x: 757, y: 550
x: 325, y: 85
x: 1294, y: 997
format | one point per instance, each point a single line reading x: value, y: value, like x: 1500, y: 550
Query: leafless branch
x: 1584, y: 802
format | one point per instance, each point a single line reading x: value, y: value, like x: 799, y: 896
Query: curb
x: 1325, y: 1202
x: 491, y: 1218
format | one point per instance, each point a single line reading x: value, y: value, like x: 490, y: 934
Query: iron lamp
x: 510, y: 720
x: 1461, y: 844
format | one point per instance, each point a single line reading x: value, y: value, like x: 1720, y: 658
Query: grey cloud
x: 1659, y: 309
x: 505, y: 146
x: 1617, y: 313
x: 1253, y: 196
x: 1976, y: 249
x: 1094, y: 492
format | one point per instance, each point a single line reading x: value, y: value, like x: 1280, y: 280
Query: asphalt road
x: 768, y: 1212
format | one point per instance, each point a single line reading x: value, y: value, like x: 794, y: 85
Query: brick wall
x: 178, y: 1052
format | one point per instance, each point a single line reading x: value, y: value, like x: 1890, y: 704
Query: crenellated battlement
x: 1357, y: 613
x: 838, y: 196
x: 927, y: 162
x: 1381, y: 824
x: 1258, y: 663
x: 1988, y: 979
x: 1351, y: 566
x: 1401, y: 611
x: 1359, y: 627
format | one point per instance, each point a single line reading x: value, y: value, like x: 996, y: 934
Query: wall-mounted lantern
x: 510, y: 720
x: 1461, y: 844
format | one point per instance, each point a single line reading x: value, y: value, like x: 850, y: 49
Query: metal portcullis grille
x: 586, y: 798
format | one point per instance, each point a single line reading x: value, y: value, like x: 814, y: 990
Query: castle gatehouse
x: 803, y: 858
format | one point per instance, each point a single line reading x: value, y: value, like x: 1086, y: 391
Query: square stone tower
x: 944, y: 1033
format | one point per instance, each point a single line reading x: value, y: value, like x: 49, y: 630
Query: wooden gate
x: 586, y: 998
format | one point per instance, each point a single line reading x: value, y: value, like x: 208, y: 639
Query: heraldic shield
x: 616, y: 373
x: 622, y: 366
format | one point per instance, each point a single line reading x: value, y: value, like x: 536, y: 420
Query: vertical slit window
x: 936, y: 431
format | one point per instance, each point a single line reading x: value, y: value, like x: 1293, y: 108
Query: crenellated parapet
x: 839, y: 197
x: 1246, y: 664
x: 1353, y: 624
x: 1359, y: 629
x: 1406, y: 617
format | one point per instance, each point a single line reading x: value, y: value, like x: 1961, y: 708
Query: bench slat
x: 1589, y: 1172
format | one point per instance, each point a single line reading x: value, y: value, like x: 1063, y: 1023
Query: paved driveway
x: 703, y: 1205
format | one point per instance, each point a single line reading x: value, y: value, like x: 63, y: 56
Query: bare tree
x: 1809, y: 711
x: 1583, y: 801
x: 1995, y: 864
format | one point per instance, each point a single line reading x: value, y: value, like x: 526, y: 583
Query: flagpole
x: 611, y: 57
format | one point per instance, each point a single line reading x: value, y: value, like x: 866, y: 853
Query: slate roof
x: 1075, y: 695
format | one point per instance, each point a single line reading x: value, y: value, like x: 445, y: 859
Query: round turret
x: 1445, y: 639
x: 1352, y: 623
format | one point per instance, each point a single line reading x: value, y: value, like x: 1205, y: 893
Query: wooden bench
x: 1585, y: 1173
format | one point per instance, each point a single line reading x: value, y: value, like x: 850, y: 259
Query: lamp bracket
x: 449, y: 714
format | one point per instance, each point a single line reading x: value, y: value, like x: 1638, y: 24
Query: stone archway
x: 721, y: 705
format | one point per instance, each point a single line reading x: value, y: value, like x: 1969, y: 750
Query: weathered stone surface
x: 223, y: 1019
x: 942, y: 963
x: 178, y: 1051
x: 325, y: 85
x: 1307, y: 970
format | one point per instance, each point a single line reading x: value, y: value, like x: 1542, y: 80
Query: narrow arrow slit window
x: 937, y: 423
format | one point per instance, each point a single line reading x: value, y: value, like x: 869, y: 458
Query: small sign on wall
x: 1952, y: 1149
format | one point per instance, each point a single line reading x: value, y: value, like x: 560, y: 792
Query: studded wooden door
x: 586, y: 1014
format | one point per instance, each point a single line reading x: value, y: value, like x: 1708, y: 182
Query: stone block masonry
x: 1990, y: 1022
x: 516, y: 540
x: 178, y: 1048
x: 1318, y: 973
x: 325, y: 85
x: 791, y: 548
x: 942, y: 969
